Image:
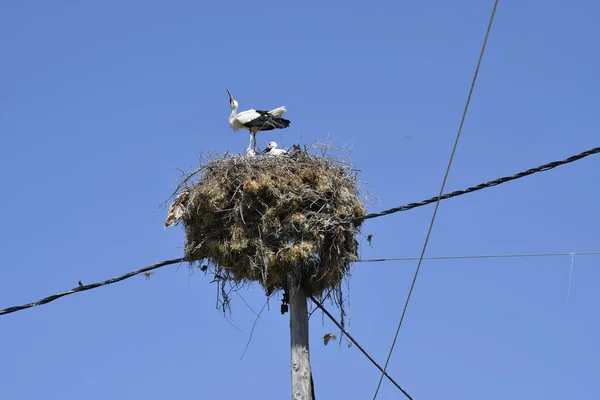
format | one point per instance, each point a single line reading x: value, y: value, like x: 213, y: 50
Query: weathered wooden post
x: 301, y: 372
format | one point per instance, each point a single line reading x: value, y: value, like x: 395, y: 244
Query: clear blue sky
x: 101, y: 101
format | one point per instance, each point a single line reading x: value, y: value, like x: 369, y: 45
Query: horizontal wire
x: 179, y: 260
x: 588, y: 253
x: 83, y: 288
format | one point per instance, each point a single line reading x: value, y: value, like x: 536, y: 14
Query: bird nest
x: 280, y: 221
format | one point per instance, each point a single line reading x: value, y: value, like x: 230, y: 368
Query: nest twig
x: 279, y: 221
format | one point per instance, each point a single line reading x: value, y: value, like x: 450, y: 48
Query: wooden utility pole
x: 302, y: 385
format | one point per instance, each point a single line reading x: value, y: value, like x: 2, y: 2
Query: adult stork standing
x: 256, y: 120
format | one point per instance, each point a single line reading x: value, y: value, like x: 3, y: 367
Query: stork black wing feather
x: 266, y: 122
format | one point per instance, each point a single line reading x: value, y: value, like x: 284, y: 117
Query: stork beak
x: 230, y: 96
x: 265, y: 150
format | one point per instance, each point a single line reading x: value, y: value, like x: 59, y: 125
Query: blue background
x: 101, y: 101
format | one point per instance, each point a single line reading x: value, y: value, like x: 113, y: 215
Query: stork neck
x: 233, y: 111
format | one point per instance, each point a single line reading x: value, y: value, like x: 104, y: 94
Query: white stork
x: 256, y: 120
x: 272, y: 150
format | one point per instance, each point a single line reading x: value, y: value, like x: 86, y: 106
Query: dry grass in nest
x: 279, y: 220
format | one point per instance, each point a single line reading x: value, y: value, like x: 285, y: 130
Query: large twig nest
x: 274, y: 220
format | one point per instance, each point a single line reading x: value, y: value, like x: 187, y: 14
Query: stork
x: 272, y: 150
x: 256, y: 120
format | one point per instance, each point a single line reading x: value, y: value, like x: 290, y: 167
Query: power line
x: 319, y: 305
x: 588, y: 253
x: 178, y: 260
x: 495, y: 182
x: 91, y: 286
x: 437, y: 203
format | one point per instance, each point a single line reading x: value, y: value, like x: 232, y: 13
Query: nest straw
x: 274, y: 220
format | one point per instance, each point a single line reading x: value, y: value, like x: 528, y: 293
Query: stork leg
x: 254, y: 139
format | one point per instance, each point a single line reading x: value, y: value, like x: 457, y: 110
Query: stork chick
x: 272, y: 150
x: 256, y: 120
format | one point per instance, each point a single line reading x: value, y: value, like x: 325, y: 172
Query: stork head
x: 270, y: 146
x: 232, y: 103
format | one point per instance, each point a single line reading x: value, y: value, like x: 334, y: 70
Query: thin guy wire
x: 589, y: 253
x: 437, y: 204
x: 319, y: 305
x: 91, y: 286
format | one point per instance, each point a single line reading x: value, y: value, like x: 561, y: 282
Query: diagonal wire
x: 91, y: 286
x: 320, y: 306
x: 495, y: 182
x: 462, y: 121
